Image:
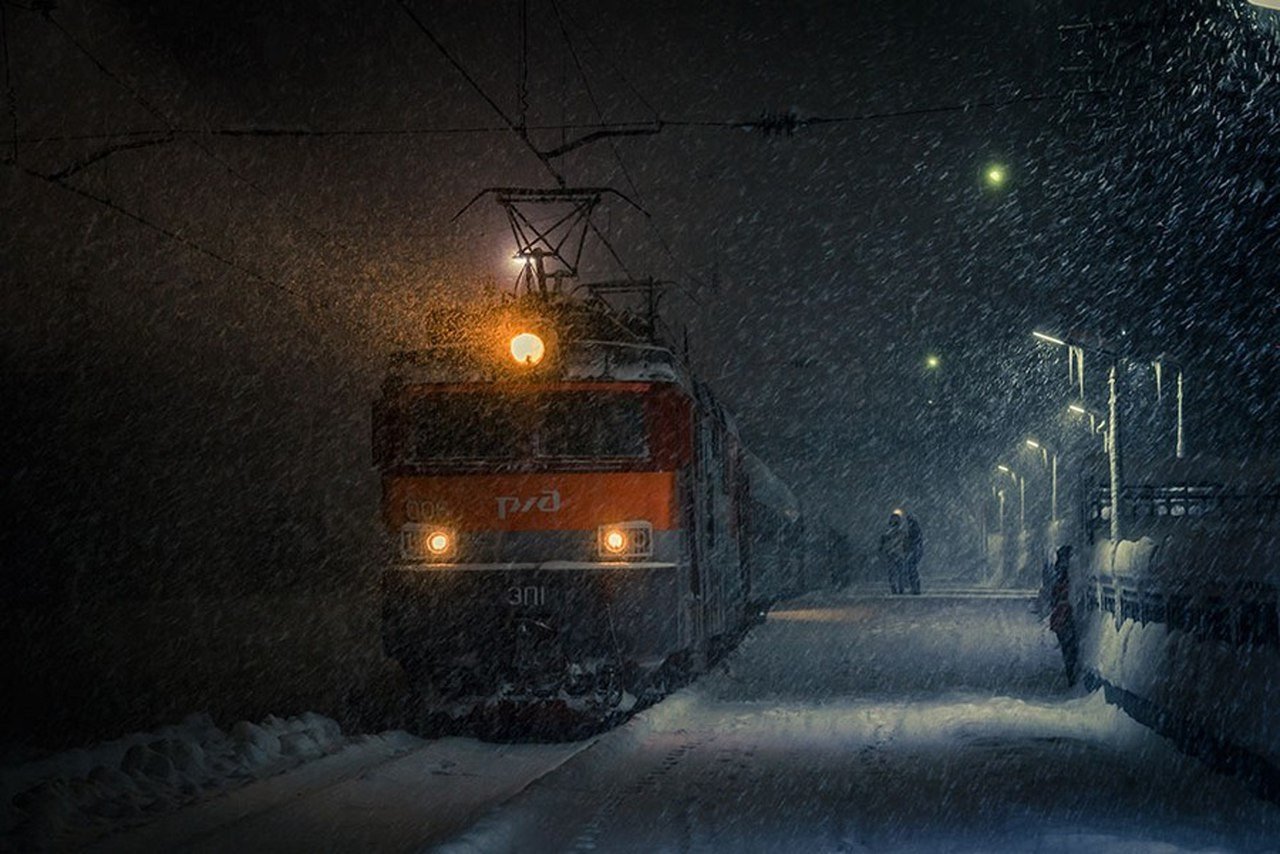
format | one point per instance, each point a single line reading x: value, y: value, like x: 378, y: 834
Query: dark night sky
x: 826, y: 264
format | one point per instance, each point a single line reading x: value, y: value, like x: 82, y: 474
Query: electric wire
x: 617, y: 155
x: 660, y: 124
x: 172, y: 132
x: 595, y: 105
x: 322, y: 310
x: 626, y: 82
x: 103, y: 153
x: 479, y: 90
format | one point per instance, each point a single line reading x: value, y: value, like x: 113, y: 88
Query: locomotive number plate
x: 526, y: 596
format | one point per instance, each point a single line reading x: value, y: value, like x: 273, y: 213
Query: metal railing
x: 1170, y: 503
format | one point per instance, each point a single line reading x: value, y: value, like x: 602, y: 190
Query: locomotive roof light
x: 527, y: 348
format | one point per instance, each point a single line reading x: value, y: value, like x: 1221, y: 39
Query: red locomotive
x: 571, y: 514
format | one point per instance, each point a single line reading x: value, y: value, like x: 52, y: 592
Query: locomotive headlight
x: 614, y: 541
x: 527, y: 348
x: 625, y: 540
x: 427, y: 542
x: 438, y: 543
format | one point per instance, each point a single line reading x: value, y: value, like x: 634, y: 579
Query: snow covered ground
x: 75, y: 796
x: 284, y: 785
x: 845, y: 723
x: 883, y: 725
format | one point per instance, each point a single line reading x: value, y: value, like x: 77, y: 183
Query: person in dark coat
x: 895, y: 546
x: 915, y: 551
x: 1062, y: 621
x: 902, y: 545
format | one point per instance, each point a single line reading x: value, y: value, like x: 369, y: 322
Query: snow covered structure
x: 1180, y: 625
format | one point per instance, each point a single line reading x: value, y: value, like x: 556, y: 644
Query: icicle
x: 1080, y: 369
x: 1158, y: 369
x: 1181, y: 449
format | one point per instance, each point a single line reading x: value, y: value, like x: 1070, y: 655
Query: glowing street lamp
x: 996, y: 175
x: 932, y: 361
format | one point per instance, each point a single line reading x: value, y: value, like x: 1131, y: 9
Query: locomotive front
x: 532, y: 499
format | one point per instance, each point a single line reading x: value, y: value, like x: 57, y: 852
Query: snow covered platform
x: 854, y: 723
x: 846, y: 722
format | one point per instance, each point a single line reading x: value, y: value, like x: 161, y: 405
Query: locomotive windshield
x: 466, y: 426
x: 479, y: 426
x: 582, y: 424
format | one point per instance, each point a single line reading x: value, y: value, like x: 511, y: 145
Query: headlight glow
x: 420, y: 542
x: 527, y: 348
x: 626, y: 540
x: 615, y: 541
x: 438, y: 543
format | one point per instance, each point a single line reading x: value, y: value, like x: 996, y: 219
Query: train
x: 570, y: 513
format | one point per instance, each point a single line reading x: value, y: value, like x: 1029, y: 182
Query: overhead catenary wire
x: 320, y: 309
x: 659, y: 124
x: 149, y: 136
x: 595, y: 105
x: 479, y: 90
x: 171, y: 132
x: 626, y: 82
x: 103, y: 153
x: 617, y: 155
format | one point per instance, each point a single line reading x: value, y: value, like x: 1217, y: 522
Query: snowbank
x: 1188, y: 625
x: 79, y: 795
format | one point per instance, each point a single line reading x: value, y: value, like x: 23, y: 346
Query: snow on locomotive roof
x: 585, y: 359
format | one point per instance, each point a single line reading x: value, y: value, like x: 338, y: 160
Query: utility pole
x: 1113, y: 444
x: 1053, y: 497
x: 1115, y: 465
x: 1022, y: 506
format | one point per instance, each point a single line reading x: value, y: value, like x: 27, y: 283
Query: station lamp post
x: 1097, y: 421
x: 1022, y: 496
x: 1075, y: 355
